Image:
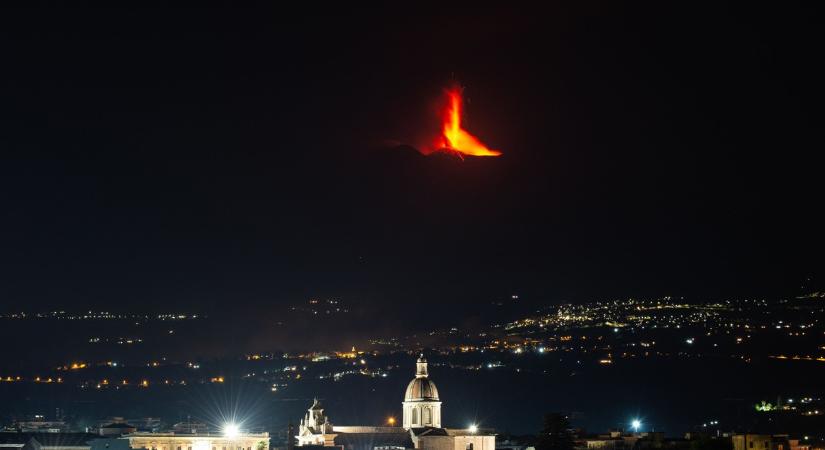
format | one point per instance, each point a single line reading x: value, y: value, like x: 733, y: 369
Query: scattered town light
x: 765, y: 407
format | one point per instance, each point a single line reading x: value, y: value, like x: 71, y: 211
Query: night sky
x: 238, y: 160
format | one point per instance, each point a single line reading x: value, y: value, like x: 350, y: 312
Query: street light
x: 231, y: 430
x: 636, y: 424
x: 474, y: 428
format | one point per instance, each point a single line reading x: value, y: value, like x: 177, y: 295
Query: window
x: 415, y: 417
x: 751, y: 444
x: 428, y: 418
x: 469, y: 446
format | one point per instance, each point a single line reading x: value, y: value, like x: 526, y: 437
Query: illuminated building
x: 202, y: 441
x: 421, y: 425
x: 614, y: 440
x: 766, y: 442
x: 751, y: 441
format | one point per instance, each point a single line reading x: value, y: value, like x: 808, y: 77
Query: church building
x: 421, y: 425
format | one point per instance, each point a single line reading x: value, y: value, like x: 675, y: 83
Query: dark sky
x: 232, y: 159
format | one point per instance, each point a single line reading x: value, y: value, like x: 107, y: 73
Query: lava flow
x: 455, y: 139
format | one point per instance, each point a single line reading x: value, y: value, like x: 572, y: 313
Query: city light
x: 391, y: 421
x: 636, y: 424
x: 473, y: 428
x: 231, y: 430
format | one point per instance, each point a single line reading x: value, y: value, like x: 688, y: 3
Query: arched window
x: 415, y: 416
x: 428, y: 416
x: 469, y: 446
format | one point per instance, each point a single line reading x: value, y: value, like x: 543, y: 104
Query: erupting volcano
x: 453, y: 138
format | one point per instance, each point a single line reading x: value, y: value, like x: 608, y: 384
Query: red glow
x: 454, y: 138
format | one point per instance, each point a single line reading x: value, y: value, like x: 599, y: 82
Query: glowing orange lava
x: 454, y: 138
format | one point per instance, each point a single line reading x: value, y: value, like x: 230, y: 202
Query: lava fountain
x: 454, y: 138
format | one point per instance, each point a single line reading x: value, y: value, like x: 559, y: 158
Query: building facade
x: 205, y: 441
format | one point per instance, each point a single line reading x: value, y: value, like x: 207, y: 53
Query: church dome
x: 421, y: 388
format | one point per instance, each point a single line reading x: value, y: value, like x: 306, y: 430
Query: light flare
x: 231, y: 430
